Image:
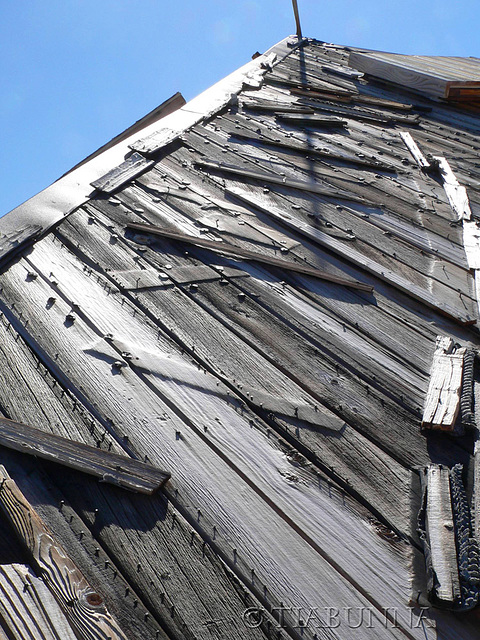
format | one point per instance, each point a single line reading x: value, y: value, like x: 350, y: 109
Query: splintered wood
x: 441, y: 534
x: 83, y: 607
x: 442, y: 402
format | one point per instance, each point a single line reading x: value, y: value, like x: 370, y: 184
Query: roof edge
x: 38, y: 214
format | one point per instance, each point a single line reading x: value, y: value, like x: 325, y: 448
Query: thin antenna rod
x: 297, y: 19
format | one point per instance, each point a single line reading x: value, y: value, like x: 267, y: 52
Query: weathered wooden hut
x: 238, y: 364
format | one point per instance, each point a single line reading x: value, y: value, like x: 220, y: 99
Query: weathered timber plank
x: 109, y: 467
x: 442, y: 402
x: 28, y: 609
x: 409, y: 232
x: 412, y: 146
x: 247, y: 255
x: 83, y: 607
x: 441, y: 534
x: 353, y: 256
x: 155, y: 141
x: 271, y: 178
x: 114, y: 179
x: 471, y: 240
x: 256, y: 381
x: 310, y: 251
x: 393, y: 70
x: 379, y: 247
x: 375, y: 191
x: 456, y: 193
x: 400, y: 306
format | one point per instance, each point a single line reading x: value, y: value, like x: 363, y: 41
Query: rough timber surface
x: 287, y: 408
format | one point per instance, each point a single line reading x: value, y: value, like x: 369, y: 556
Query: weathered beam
x: 442, y: 402
x: 109, y: 467
x: 237, y: 252
x: 83, y: 607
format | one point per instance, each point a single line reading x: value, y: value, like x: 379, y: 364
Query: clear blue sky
x: 77, y: 72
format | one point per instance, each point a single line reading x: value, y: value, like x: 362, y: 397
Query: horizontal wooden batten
x: 83, y: 607
x: 442, y: 402
x: 109, y: 467
x: 237, y: 252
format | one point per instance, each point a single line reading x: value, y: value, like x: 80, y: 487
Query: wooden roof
x: 275, y: 362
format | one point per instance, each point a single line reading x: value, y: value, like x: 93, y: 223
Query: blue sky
x: 77, y: 72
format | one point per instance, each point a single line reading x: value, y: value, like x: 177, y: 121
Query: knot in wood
x: 94, y: 599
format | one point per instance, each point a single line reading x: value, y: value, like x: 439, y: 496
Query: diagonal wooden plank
x: 270, y: 178
x: 109, y: 467
x: 237, y: 252
x: 83, y: 607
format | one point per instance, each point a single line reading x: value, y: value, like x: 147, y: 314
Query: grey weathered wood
x: 276, y: 107
x: 442, y: 402
x: 248, y: 255
x: 315, y: 152
x: 109, y: 467
x: 82, y: 605
x: 441, y: 533
x: 160, y: 546
x: 155, y: 141
x: 456, y: 193
x: 471, y: 242
x: 114, y: 179
x: 271, y: 178
x: 412, y: 146
x: 353, y: 256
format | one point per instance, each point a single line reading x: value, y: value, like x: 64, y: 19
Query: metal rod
x: 297, y: 19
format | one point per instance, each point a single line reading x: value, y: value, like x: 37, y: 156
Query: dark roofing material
x: 231, y: 374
